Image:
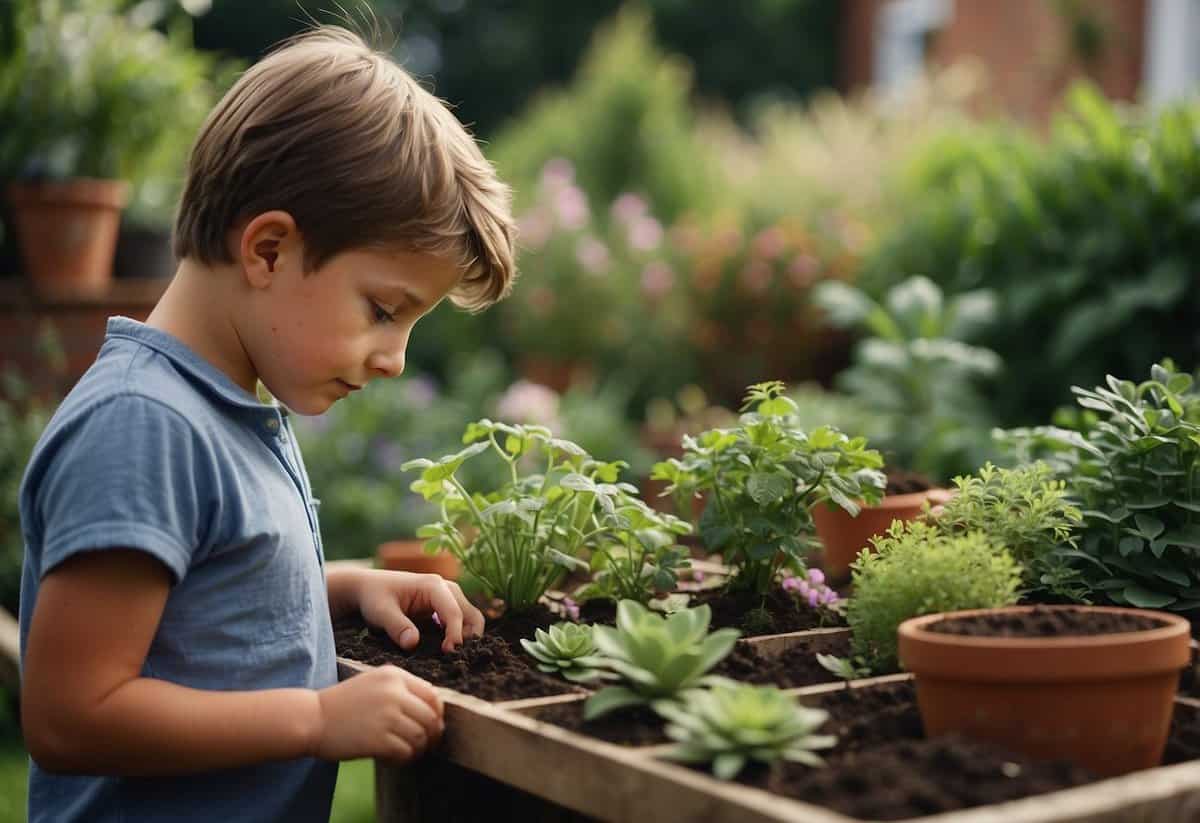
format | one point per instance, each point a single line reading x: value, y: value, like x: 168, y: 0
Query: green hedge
x: 1089, y: 238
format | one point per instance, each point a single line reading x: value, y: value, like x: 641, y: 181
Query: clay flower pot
x: 844, y: 536
x: 1102, y: 701
x: 67, y: 232
x: 409, y: 556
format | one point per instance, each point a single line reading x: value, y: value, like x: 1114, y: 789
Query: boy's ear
x: 269, y: 244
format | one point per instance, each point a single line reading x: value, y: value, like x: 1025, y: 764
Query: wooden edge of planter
x: 771, y: 645
x: 863, y: 682
x: 1187, y: 701
x: 530, y: 703
x: 606, y: 780
x: 10, y: 651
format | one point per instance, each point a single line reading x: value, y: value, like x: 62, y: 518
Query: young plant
x: 847, y: 668
x: 915, y: 371
x: 519, y: 540
x: 1135, y: 473
x: 658, y: 657
x: 567, y: 649
x: 731, y: 724
x: 916, y: 569
x: 809, y: 591
x: 761, y: 479
x: 1027, y: 511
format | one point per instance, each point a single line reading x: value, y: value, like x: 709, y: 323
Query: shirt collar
x: 215, y: 381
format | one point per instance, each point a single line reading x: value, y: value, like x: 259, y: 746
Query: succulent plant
x: 731, y: 724
x: 657, y: 657
x: 567, y: 649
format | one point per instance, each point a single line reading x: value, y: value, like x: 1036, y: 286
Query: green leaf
x: 1150, y: 527
x: 728, y: 764
x: 1130, y: 545
x: 767, y: 488
x: 610, y: 699
x: 1145, y: 598
x: 1173, y: 575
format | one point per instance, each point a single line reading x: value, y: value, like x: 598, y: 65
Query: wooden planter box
x: 499, y: 762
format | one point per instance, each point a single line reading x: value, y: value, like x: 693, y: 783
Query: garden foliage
x: 916, y: 570
x: 1134, y: 470
x: 658, y: 657
x: 567, y: 649
x: 730, y: 725
x: 555, y: 504
x: 1088, y: 239
x: 1026, y: 510
x: 916, y: 373
x: 760, y: 479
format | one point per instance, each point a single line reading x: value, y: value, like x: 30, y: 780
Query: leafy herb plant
x: 567, y: 649
x: 1027, y: 511
x: 1135, y: 473
x: 730, y: 725
x: 657, y: 657
x: 519, y: 539
x: 916, y: 569
x: 762, y: 477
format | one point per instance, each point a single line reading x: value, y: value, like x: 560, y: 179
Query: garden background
x: 930, y: 218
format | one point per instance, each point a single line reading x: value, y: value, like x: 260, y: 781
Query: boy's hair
x: 346, y: 141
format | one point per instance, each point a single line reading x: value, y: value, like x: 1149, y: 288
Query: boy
x: 176, y: 638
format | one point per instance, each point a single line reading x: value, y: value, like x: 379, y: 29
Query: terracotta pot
x: 67, y: 233
x: 844, y: 536
x: 410, y: 556
x: 1101, y: 701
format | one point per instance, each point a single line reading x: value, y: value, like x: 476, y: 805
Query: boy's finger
x: 450, y: 613
x: 425, y: 691
x: 402, y: 630
x: 473, y: 621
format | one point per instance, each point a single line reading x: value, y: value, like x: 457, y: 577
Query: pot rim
x: 935, y: 495
x: 914, y: 629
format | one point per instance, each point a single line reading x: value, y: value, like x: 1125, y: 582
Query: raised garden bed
x: 534, y: 757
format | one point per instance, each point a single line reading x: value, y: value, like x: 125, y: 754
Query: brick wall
x: 78, y: 322
x: 1024, y: 46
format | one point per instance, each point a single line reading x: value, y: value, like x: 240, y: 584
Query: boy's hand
x: 386, y: 599
x: 385, y: 712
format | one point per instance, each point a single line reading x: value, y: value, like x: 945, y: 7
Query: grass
x: 353, y: 802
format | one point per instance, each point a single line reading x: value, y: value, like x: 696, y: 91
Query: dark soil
x: 485, y: 667
x: 795, y: 667
x: 903, y: 481
x: 1045, y: 623
x: 754, y: 615
x: 634, y: 726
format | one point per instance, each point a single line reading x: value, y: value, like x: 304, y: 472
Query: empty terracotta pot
x: 1101, y: 701
x: 410, y: 556
x: 844, y: 536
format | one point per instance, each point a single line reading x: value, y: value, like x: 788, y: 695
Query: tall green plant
x: 1135, y: 473
x: 761, y: 479
x: 915, y: 371
x: 519, y: 539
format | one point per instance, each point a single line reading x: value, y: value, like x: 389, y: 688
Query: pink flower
x: 527, y: 402
x: 657, y: 279
x: 814, y: 598
x: 816, y: 576
x: 698, y: 576
x: 769, y: 243
x: 571, y: 206
x: 645, y: 234
x: 791, y: 584
x: 592, y: 255
x: 803, y: 270
x: 628, y: 207
x: 570, y: 608
x: 558, y: 172
x: 534, y: 229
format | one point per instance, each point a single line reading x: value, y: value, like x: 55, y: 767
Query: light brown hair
x: 347, y: 142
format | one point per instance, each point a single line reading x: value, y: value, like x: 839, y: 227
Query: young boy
x: 176, y: 637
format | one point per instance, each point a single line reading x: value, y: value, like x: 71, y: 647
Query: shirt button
x: 273, y: 425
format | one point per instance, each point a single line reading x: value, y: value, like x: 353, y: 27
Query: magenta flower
x: 816, y: 576
x: 570, y: 608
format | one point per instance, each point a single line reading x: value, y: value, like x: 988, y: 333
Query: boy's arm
x: 86, y: 708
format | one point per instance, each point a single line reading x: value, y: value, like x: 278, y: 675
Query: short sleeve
x: 129, y: 473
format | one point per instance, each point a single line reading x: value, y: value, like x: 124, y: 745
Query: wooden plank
x: 10, y: 651
x: 772, y: 645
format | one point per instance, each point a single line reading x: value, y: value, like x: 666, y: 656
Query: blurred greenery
x: 90, y: 88
x: 489, y: 58
x: 1089, y: 240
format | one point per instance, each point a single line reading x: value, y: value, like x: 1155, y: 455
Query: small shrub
x: 1027, y: 511
x: 916, y: 570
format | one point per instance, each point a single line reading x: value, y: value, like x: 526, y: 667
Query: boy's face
x: 315, y: 338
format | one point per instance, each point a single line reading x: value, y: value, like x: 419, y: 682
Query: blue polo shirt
x: 157, y: 450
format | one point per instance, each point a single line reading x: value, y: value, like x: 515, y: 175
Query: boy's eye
x: 381, y: 314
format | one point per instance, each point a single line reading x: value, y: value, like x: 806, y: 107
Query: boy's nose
x: 387, y: 364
